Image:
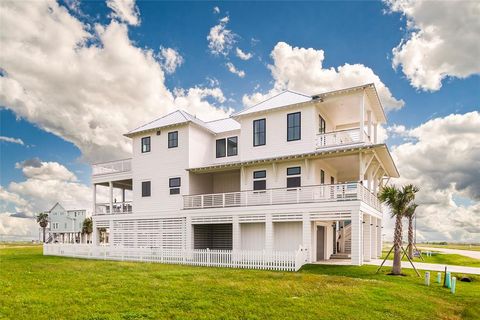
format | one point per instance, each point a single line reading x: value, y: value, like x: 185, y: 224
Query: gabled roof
x: 56, y: 204
x: 223, y: 125
x: 282, y: 99
x: 173, y: 118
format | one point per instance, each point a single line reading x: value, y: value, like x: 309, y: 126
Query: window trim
x: 229, y: 139
x: 174, y: 189
x: 294, y: 175
x: 224, y: 153
x: 264, y: 132
x: 149, y: 144
x: 293, y: 127
x: 144, y: 193
x: 262, y: 179
x: 176, y: 139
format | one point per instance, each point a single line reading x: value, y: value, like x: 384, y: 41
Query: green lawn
x: 36, y: 287
x: 441, y: 258
x: 458, y: 246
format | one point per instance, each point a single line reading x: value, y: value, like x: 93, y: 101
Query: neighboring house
x: 65, y: 226
x: 294, y: 170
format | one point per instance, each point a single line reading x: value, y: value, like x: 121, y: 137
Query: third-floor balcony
x: 117, y: 166
x: 306, y: 194
x: 342, y: 138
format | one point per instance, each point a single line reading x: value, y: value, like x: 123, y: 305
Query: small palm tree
x: 398, y: 200
x: 410, y: 214
x: 87, y: 227
x: 42, y: 219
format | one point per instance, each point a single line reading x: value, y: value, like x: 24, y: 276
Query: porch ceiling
x: 121, y: 184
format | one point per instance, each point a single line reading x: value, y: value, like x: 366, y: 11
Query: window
x: 294, y: 177
x: 145, y: 144
x: 322, y: 177
x: 332, y: 180
x: 174, y: 185
x: 221, y: 148
x: 294, y: 126
x: 259, y: 127
x: 232, y: 146
x: 259, y: 180
x: 173, y: 139
x: 146, y: 188
x: 322, y: 128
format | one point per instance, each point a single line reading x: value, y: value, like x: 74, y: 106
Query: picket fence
x: 274, y: 260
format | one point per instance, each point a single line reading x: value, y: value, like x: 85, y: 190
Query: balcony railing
x: 117, y: 208
x: 341, y: 138
x: 306, y: 194
x: 117, y: 166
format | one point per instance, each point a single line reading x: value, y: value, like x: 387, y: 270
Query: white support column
x: 110, y: 185
x: 375, y: 134
x: 356, y: 253
x: 123, y: 195
x: 188, y: 233
x: 362, y: 117
x: 268, y: 232
x: 379, y: 238
x: 94, y: 187
x: 307, y: 235
x: 236, y: 240
x: 369, y: 122
x: 373, y: 242
x: 367, y: 239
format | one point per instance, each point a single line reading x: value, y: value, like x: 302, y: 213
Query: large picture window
x: 220, y: 148
x: 232, y: 146
x: 294, y: 130
x: 173, y: 139
x: 146, y: 188
x: 174, y: 185
x: 294, y: 179
x: 259, y: 180
x: 259, y: 130
x: 145, y: 144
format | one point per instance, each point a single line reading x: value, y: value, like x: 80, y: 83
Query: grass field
x: 471, y: 247
x: 36, y: 287
x: 441, y: 258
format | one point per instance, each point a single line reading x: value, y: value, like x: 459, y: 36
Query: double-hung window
x: 145, y: 144
x: 146, y: 188
x: 294, y: 179
x: 226, y: 147
x: 174, y: 185
x: 173, y: 139
x: 232, y: 146
x: 260, y: 180
x: 221, y: 148
x: 294, y: 126
x: 322, y: 127
x: 259, y: 132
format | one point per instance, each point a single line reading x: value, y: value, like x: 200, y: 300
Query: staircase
x: 345, y: 241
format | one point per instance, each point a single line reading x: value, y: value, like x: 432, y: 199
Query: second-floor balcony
x: 306, y: 194
x: 114, y: 208
x: 117, y: 166
x: 342, y: 138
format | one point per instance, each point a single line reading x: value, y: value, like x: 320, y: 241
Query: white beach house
x: 65, y: 226
x: 294, y: 171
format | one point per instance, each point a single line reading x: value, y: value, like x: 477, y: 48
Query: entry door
x: 320, y: 243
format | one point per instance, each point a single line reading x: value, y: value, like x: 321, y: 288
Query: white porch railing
x: 117, y: 166
x: 286, y: 261
x: 117, y: 208
x: 306, y: 194
x: 341, y: 138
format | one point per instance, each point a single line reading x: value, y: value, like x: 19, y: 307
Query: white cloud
x: 443, y: 159
x: 87, y: 84
x: 17, y: 228
x: 234, y: 70
x: 442, y: 41
x: 220, y: 39
x: 171, y: 59
x: 243, y: 55
x: 194, y: 101
x: 12, y: 140
x: 125, y: 10
x: 216, y: 10
x: 301, y: 69
x: 45, y: 171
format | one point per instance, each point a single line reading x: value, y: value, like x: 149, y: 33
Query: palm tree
x: 398, y: 200
x: 410, y: 214
x: 87, y: 227
x: 42, y: 219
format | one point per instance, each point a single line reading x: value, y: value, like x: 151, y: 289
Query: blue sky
x: 348, y: 32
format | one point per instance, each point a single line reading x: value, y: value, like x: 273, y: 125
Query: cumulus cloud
x: 220, y: 39
x: 88, y: 84
x: 301, y: 69
x: 442, y: 41
x: 234, y: 70
x: 243, y: 55
x: 36, y: 169
x: 125, y: 10
x: 171, y: 59
x: 216, y: 10
x: 12, y: 140
x: 443, y: 159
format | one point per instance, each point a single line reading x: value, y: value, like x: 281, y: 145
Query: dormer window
x: 145, y: 144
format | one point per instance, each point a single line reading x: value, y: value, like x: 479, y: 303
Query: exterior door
x: 320, y: 243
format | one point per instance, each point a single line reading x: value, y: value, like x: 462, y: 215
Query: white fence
x: 284, y: 261
x: 340, y: 138
x: 306, y: 194
x: 118, y: 166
